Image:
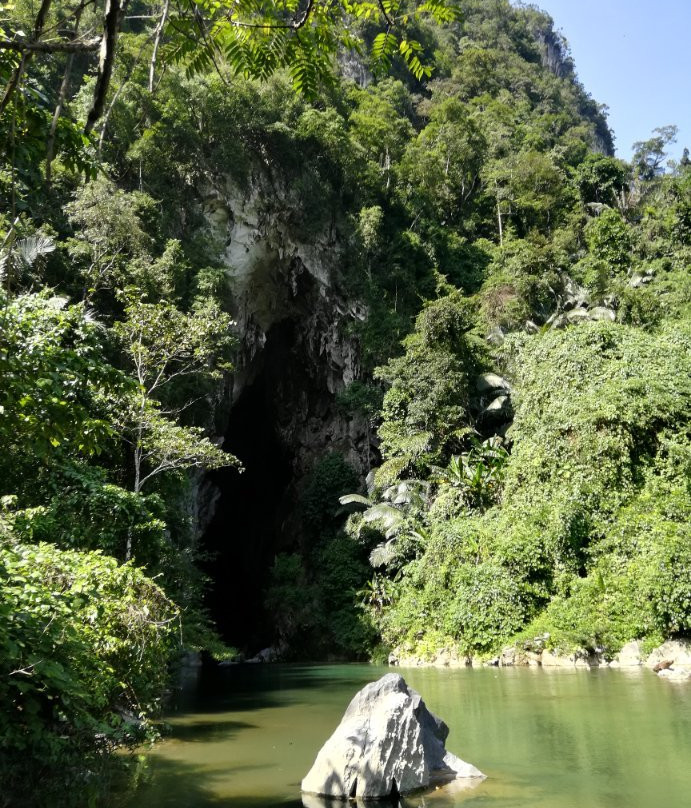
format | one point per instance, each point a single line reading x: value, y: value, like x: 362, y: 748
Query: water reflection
x: 448, y: 794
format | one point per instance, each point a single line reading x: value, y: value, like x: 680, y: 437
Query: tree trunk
x: 50, y: 146
x: 157, y: 43
x: 105, y: 62
x: 114, y: 99
x: 137, y: 487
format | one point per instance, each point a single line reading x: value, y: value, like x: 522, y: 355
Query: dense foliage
x: 592, y: 517
x: 84, y: 638
x: 481, y: 226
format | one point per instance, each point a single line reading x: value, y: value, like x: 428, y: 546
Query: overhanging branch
x: 25, y: 46
x: 293, y: 25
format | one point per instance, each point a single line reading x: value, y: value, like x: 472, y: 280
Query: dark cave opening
x: 246, y: 530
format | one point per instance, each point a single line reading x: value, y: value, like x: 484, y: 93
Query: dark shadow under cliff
x: 243, y: 536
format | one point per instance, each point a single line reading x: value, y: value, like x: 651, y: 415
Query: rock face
x: 285, y: 295
x: 387, y: 743
x: 280, y: 411
x: 549, y: 659
x: 630, y: 656
x: 676, y: 652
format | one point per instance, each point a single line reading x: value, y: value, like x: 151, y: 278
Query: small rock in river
x: 675, y: 674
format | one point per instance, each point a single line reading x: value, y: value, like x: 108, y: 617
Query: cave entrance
x: 246, y: 530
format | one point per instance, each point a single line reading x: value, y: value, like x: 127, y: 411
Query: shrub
x: 83, y: 650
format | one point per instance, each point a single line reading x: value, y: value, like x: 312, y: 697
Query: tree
x: 395, y: 513
x: 21, y: 258
x: 257, y: 38
x: 603, y: 179
x: 441, y: 169
x: 253, y: 38
x: 609, y: 238
x: 52, y: 369
x: 648, y: 155
x: 165, y: 345
x: 83, y: 648
x: 380, y: 125
x: 476, y: 475
x: 110, y: 234
x: 425, y: 412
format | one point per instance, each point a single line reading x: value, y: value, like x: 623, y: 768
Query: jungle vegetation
x: 486, y: 228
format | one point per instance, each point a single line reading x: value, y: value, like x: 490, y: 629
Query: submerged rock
x: 271, y: 654
x: 387, y: 743
x: 449, y: 792
x: 675, y: 674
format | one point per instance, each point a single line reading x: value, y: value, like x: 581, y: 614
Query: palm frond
x: 383, y: 554
x: 347, y: 499
x: 29, y: 250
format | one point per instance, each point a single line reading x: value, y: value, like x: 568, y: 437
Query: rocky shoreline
x: 671, y: 660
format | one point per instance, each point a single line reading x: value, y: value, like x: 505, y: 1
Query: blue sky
x: 635, y: 57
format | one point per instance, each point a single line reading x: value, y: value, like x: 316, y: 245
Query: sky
x: 635, y: 57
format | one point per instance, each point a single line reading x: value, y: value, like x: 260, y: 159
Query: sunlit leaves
x: 51, y: 370
x: 254, y: 38
x: 411, y: 50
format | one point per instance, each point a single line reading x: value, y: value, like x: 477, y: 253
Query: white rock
x: 551, y: 660
x: 602, y: 313
x: 630, y: 656
x: 676, y: 674
x: 486, y: 382
x: 577, y: 315
x: 678, y: 652
x: 387, y: 743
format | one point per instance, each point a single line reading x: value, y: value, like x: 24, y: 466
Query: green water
x: 245, y: 736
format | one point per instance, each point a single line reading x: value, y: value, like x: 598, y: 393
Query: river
x: 243, y: 737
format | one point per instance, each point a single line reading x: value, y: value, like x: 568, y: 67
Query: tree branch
x: 389, y: 21
x: 27, y: 46
x: 157, y: 43
x: 294, y: 25
x: 13, y: 83
x: 62, y: 95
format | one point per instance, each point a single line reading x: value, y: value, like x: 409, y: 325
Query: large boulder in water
x: 387, y: 743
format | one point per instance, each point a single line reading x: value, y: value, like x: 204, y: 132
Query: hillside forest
x: 516, y: 296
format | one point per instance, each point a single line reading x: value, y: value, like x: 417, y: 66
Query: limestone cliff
x: 288, y: 310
